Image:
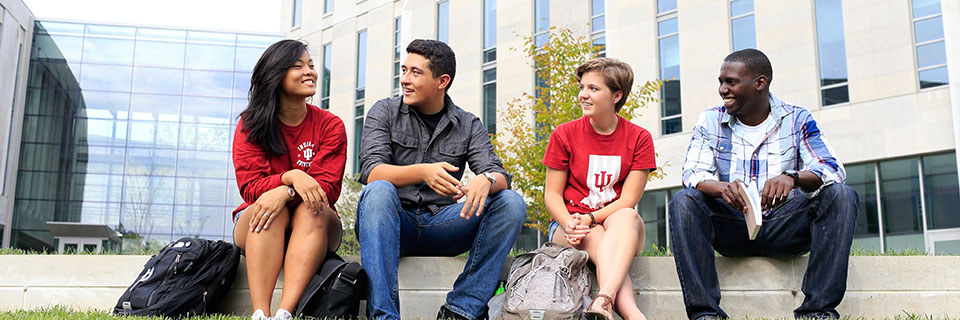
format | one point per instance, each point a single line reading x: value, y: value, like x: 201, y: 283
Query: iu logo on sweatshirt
x: 602, y: 173
x: 305, y: 154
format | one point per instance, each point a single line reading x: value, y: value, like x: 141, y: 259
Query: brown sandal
x: 597, y: 315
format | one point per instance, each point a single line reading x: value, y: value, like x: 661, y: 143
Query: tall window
x: 325, y: 77
x: 443, y: 21
x: 598, y: 27
x: 931, y: 49
x: 297, y: 6
x: 832, y: 52
x: 358, y: 101
x: 541, y: 34
x: 668, y: 36
x: 863, y: 179
x: 490, y: 65
x: 396, y: 56
x: 541, y: 23
x: 327, y: 6
x: 742, y: 27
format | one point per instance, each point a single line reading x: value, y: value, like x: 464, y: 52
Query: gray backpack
x: 549, y: 283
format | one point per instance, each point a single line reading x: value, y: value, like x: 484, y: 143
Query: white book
x: 754, y: 214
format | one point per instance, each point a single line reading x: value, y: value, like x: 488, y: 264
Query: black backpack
x: 187, y: 277
x: 335, y: 291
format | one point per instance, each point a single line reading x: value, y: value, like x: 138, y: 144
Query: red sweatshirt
x: 318, y: 146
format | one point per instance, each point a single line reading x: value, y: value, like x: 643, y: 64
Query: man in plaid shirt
x: 759, y: 139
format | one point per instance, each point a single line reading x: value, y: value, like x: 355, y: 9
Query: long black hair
x: 260, y: 118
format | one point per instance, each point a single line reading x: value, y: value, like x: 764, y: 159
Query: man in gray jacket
x: 414, y: 149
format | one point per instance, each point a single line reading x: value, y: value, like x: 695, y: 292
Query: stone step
x: 877, y: 286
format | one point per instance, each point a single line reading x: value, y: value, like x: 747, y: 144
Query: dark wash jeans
x: 822, y: 226
x: 387, y: 231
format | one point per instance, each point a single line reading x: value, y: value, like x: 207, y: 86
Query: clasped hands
x: 270, y: 203
x: 436, y: 176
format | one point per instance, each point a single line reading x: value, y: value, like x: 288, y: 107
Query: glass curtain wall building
x: 131, y: 127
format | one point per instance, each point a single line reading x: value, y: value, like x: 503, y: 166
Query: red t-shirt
x: 318, y: 146
x: 597, y: 164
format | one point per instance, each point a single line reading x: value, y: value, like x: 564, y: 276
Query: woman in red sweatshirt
x: 289, y: 157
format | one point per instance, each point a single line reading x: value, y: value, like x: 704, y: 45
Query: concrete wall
x: 877, y: 287
x: 16, y: 35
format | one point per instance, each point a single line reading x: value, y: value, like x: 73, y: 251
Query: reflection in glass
x: 490, y: 106
x: 108, y: 51
x: 110, y: 31
x: 59, y: 47
x: 862, y: 178
x: 101, y: 159
x: 834, y: 95
x: 157, y: 80
x: 443, y: 21
x: 256, y: 40
x: 203, y: 164
x: 933, y: 77
x: 830, y: 42
x: 197, y: 221
x: 672, y: 126
x: 664, y: 6
x: 210, y: 57
x: 928, y: 29
x: 65, y: 28
x: 542, y: 22
x: 208, y: 83
x: 152, y: 220
x: 489, y: 24
x: 159, y: 54
x: 653, y: 210
x: 931, y: 54
x: 154, y: 107
x: 744, y: 33
x: 104, y: 77
x: 241, y: 84
x: 220, y: 38
x: 900, y: 201
x: 206, y: 110
x: 197, y: 191
x: 161, y: 35
x: 941, y: 194
x: 361, y: 64
x: 104, y: 132
x: 923, y: 8
x: 208, y: 137
x: 106, y: 105
x: 154, y: 134
x: 247, y: 58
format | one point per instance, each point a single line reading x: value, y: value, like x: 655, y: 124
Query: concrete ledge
x: 877, y: 287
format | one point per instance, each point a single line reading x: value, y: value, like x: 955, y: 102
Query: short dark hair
x: 754, y: 60
x: 441, y: 57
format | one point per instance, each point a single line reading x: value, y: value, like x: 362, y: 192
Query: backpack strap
x: 350, y: 273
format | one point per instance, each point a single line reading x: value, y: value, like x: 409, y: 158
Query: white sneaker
x: 258, y: 315
x: 282, y: 314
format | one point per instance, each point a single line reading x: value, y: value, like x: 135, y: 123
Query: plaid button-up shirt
x: 719, y: 150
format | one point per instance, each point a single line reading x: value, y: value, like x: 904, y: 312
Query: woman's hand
x: 308, y: 189
x: 577, y: 228
x: 265, y: 209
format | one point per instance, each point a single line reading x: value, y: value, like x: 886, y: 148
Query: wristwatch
x: 291, y: 192
x: 793, y: 174
x: 491, y: 177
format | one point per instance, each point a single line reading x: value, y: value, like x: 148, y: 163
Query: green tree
x: 525, y: 124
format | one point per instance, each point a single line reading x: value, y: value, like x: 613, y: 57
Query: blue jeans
x: 387, y: 231
x: 822, y: 226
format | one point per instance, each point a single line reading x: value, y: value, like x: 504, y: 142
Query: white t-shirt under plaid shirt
x: 719, y: 150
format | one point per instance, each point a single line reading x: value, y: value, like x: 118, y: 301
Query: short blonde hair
x: 618, y: 75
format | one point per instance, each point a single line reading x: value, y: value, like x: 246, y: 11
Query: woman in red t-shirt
x: 289, y: 157
x: 597, y: 168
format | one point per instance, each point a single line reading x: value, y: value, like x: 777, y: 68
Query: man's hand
x: 476, y: 193
x: 731, y: 194
x: 775, y: 191
x: 435, y: 175
x: 308, y: 189
x: 577, y: 229
x: 266, y: 208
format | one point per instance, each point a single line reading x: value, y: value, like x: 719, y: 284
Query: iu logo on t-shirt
x: 305, y: 154
x: 602, y: 173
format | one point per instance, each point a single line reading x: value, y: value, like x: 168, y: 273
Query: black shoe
x: 447, y: 314
x: 819, y: 316
x: 708, y: 317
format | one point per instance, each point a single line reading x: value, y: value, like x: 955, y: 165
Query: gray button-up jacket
x: 393, y: 134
